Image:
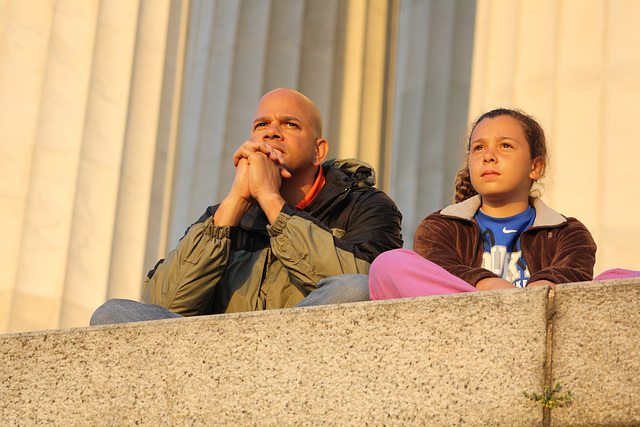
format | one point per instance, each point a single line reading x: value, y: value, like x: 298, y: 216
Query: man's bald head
x: 303, y: 102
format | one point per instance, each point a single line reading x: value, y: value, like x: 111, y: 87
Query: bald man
x: 289, y: 221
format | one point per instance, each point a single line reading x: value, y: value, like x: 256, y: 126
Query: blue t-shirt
x: 502, y: 251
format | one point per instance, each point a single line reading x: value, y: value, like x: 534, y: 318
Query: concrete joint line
x: 548, y: 368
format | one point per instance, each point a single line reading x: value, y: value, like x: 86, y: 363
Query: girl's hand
x: 494, y: 283
x: 541, y: 283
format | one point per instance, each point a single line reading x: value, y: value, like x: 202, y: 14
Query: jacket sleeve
x: 561, y: 255
x: 453, y: 245
x: 185, y: 281
x: 311, y: 251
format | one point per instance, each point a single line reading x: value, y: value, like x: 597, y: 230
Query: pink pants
x: 402, y: 273
x: 617, y: 273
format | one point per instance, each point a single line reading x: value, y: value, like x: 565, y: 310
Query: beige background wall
x: 118, y: 118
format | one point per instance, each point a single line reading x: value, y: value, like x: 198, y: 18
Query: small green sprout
x: 551, y: 398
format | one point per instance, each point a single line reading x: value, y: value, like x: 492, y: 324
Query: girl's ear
x: 537, y: 167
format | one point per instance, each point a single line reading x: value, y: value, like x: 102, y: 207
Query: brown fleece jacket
x: 555, y: 247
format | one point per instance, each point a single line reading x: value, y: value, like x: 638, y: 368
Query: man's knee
x: 339, y: 289
x: 126, y: 311
x: 345, y: 288
x: 108, y: 313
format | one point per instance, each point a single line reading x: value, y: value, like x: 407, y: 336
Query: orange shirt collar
x: 313, y: 192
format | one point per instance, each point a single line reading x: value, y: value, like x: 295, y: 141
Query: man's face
x: 285, y: 121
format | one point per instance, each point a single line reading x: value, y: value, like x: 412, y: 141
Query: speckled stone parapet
x: 455, y: 359
x: 596, y: 352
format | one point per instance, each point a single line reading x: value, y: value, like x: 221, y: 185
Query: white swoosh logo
x: 504, y: 230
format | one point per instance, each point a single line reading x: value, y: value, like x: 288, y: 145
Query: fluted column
x: 151, y: 124
x: 54, y: 168
x: 24, y: 43
x: 69, y: 110
x: 433, y: 75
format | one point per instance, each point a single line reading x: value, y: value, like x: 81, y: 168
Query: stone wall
x: 454, y: 359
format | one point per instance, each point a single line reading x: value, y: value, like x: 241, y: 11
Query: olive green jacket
x: 257, y: 266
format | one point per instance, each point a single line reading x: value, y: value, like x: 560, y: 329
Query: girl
x: 496, y: 235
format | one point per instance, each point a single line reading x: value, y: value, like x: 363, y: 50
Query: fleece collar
x: 545, y: 216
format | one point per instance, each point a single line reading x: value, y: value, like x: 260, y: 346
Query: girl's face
x: 500, y: 163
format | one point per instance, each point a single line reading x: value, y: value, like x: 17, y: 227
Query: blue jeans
x: 332, y: 290
x: 338, y: 290
x: 126, y: 310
